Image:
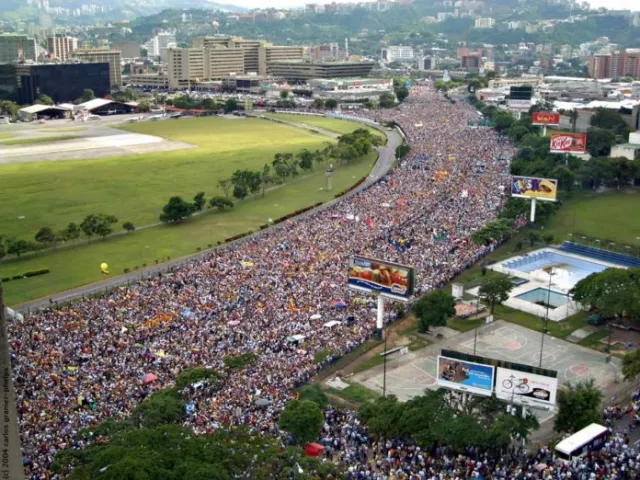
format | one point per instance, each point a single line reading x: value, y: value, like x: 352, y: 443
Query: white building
x: 629, y: 150
x: 160, y: 42
x: 399, y: 53
x: 484, y: 22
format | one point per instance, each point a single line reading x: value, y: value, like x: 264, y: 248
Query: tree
x: 434, y: 309
x: 401, y: 93
x: 578, y: 406
x: 251, y: 181
x: 9, y: 108
x: 209, y: 104
x: 331, y: 104
x: 18, y: 247
x: 608, y: 119
x: 128, y: 226
x: 220, y: 203
x: 314, y: 393
x: 240, y: 192
x: 97, y: 224
x: 176, y: 210
x: 318, y: 104
x: 305, y: 159
x: 199, y: 201
x: 72, y: 232
x: 44, y: 100
x: 284, y: 93
x: 303, y: 419
x: 45, y: 236
x: 225, y: 186
x: 495, y: 290
x: 387, y: 100
x: 613, y: 292
x: 144, y: 107
x: 631, y: 365
x: 600, y: 141
x: 231, y: 105
x: 87, y: 94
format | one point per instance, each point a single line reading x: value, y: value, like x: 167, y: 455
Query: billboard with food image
x: 568, y: 143
x: 532, y: 187
x: 388, y: 279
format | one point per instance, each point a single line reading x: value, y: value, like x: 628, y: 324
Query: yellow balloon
x: 104, y: 267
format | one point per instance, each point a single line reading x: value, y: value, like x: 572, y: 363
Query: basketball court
x: 410, y: 375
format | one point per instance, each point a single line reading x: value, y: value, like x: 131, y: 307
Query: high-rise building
x: 399, y: 53
x: 487, y: 22
x: 61, y: 46
x: 160, y: 42
x: 17, y: 48
x: 600, y: 66
x: 471, y: 62
x: 185, y: 66
x: 325, y: 51
x: 112, y: 57
x: 220, y: 61
x: 24, y: 83
x: 625, y: 63
x: 128, y: 48
x: 268, y: 54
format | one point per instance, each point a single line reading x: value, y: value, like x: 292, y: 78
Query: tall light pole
x: 545, y: 322
x: 11, y: 466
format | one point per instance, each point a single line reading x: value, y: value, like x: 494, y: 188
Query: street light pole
x: 546, y: 317
x: 384, y: 362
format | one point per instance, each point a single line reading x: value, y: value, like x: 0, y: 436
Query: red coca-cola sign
x: 545, y: 118
x: 568, y: 142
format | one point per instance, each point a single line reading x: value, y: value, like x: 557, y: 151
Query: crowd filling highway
x: 100, y: 357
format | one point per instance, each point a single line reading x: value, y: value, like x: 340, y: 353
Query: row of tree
x: 242, y: 183
x: 93, y: 225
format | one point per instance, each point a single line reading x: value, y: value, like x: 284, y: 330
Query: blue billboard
x: 465, y: 376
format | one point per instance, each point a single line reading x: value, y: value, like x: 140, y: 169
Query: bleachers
x: 600, y: 254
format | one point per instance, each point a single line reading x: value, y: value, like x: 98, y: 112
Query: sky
x: 611, y: 4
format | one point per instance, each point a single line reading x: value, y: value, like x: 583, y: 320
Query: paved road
x: 384, y: 163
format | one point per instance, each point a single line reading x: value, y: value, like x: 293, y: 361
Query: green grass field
x: 5, y: 136
x: 135, y: 188
x: 35, y: 140
x: 331, y: 124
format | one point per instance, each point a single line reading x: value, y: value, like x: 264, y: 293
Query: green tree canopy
x: 434, y: 309
x: 231, y: 105
x: 176, y: 210
x: 578, y: 406
x: 220, y: 202
x: 303, y: 419
x: 45, y: 236
x: 608, y: 119
x: 44, y: 99
x: 613, y: 292
x: 600, y: 141
x: 495, y: 289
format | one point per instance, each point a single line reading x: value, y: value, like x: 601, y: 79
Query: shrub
x: 126, y: 270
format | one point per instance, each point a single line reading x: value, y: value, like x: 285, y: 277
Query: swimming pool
x: 540, y: 296
x: 566, y: 270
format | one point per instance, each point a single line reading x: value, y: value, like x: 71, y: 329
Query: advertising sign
x: 568, y: 142
x: 388, y: 279
x: 525, y: 388
x: 545, y: 118
x: 531, y: 187
x: 465, y: 376
x: 516, y: 104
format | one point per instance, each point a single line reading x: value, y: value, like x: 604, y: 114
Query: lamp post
x: 384, y: 363
x: 545, y: 322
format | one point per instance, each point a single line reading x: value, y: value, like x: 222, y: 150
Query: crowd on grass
x: 82, y: 363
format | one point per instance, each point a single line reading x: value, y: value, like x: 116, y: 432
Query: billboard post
x: 534, y: 189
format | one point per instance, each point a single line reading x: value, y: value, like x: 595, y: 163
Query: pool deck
x: 535, y: 281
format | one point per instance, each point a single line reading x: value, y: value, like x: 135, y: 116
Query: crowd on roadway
x: 79, y: 364
x: 349, y: 443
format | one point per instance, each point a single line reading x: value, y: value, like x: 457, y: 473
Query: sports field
x: 135, y: 188
x: 331, y: 124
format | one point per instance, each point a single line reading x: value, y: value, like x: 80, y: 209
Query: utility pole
x: 11, y: 467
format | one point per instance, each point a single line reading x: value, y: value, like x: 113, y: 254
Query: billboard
x: 568, y: 142
x: 532, y: 187
x: 545, y: 118
x: 465, y: 376
x: 388, y: 279
x: 525, y: 388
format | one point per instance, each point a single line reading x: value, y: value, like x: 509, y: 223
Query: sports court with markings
x: 410, y: 375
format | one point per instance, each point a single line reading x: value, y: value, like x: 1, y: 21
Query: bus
x: 580, y: 443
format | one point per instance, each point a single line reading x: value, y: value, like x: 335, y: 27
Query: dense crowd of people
x: 100, y: 357
x: 348, y: 442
